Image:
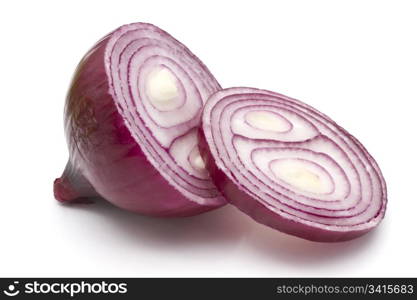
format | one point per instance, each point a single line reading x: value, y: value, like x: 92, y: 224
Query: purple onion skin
x: 234, y: 194
x: 104, y: 159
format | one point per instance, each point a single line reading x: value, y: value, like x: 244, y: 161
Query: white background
x: 354, y: 60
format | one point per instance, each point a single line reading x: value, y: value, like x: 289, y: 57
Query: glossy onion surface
x: 131, y: 120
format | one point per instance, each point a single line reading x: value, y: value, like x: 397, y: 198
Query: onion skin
x: 237, y: 195
x: 105, y: 159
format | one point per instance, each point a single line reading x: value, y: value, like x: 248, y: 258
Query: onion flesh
x: 289, y: 166
x: 131, y: 120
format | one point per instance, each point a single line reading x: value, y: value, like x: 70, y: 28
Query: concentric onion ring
x: 289, y: 166
x: 160, y: 88
x: 132, y: 116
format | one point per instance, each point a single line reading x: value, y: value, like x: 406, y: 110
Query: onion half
x: 131, y: 120
x: 289, y: 166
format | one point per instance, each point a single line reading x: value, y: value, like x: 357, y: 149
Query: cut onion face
x: 131, y: 119
x: 289, y: 166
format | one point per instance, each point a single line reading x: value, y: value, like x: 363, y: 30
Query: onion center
x: 302, y: 174
x: 268, y: 121
x: 196, y: 160
x: 162, y: 89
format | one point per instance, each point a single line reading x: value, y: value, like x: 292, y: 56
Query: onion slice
x: 289, y: 166
x: 131, y: 120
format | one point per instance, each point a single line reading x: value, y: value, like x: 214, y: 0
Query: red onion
x: 289, y: 166
x: 131, y: 121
